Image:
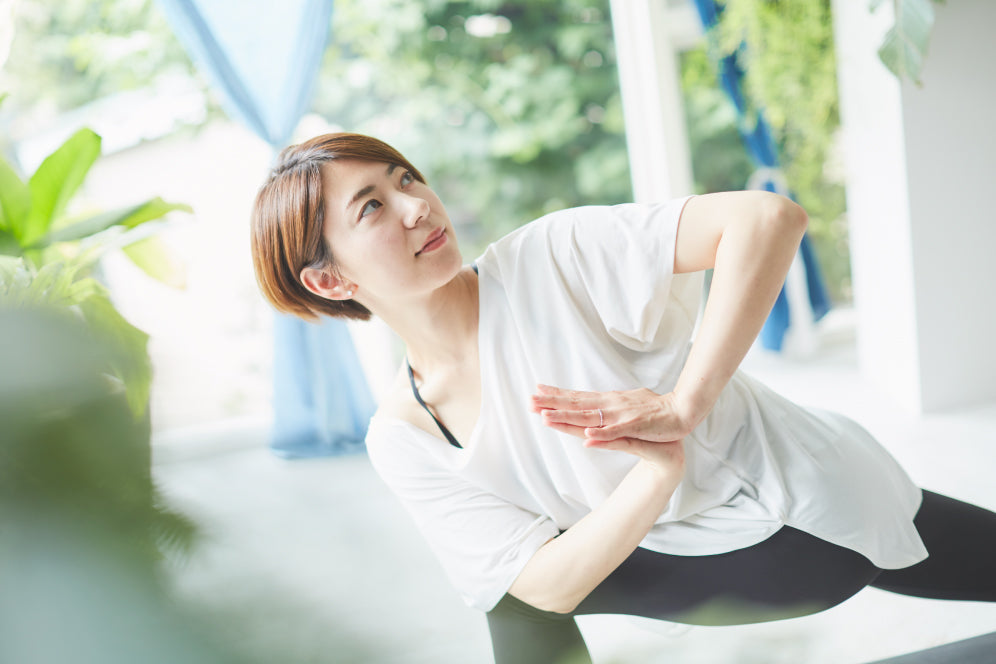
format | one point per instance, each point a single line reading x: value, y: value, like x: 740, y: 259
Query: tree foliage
x: 719, y: 159
x: 66, y: 53
x: 511, y: 108
x: 786, y: 48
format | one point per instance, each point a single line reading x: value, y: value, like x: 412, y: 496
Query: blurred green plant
x: 33, y: 215
x: 512, y: 109
x: 62, y: 285
x: 84, y: 531
x: 66, y: 53
x: 47, y: 256
x: 70, y: 438
x: 719, y: 159
x: 787, y: 52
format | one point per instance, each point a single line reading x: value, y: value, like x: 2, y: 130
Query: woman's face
x: 389, y: 233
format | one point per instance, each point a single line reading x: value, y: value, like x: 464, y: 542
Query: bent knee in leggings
x: 523, y: 634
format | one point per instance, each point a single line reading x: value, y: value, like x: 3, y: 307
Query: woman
x: 662, y: 482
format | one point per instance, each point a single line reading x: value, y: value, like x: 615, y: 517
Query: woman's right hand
x: 568, y: 567
x: 638, y: 422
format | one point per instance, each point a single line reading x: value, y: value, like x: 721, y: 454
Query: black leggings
x: 790, y: 574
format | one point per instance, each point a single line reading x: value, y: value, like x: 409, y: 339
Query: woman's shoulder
x: 399, y: 417
x: 398, y: 404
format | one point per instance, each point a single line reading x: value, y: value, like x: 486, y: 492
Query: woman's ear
x: 323, y: 283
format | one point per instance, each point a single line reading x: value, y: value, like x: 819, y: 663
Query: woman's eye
x: 369, y: 208
x: 407, y: 178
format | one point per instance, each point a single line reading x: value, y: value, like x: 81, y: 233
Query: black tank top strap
x: 418, y: 397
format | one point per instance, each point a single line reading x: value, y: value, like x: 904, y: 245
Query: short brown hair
x: 288, y: 218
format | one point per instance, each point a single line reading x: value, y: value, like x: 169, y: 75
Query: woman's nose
x: 416, y: 209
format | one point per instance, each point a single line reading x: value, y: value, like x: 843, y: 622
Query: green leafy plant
x: 33, y: 219
x: 86, y: 537
x: 63, y: 286
x: 47, y: 256
x: 905, y: 44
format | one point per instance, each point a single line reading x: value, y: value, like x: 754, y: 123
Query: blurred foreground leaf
x: 60, y: 285
x: 81, y: 523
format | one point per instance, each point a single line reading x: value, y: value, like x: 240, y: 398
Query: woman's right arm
x: 750, y: 238
x: 568, y: 567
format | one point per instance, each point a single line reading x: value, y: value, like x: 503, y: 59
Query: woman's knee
x: 523, y: 634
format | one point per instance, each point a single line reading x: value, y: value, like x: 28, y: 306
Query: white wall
x: 920, y: 162
x: 951, y: 166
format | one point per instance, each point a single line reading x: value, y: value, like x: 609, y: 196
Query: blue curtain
x: 262, y: 59
x: 321, y: 404
x: 764, y: 153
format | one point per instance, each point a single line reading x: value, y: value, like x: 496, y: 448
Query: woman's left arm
x: 750, y: 239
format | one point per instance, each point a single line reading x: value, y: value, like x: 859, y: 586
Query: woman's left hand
x: 602, y: 416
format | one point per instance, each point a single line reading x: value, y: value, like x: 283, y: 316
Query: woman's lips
x: 436, y: 240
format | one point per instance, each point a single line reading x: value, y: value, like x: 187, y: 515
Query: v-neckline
x: 470, y: 442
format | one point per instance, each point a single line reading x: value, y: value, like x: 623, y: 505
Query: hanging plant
x: 905, y: 45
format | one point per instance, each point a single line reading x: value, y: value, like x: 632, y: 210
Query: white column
x: 920, y: 166
x: 649, y: 77
x: 951, y: 168
x: 877, y: 203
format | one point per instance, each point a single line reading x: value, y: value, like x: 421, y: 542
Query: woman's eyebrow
x: 368, y: 189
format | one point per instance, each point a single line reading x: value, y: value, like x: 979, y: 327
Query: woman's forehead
x: 344, y: 177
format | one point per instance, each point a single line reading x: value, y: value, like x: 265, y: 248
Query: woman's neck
x: 439, y: 332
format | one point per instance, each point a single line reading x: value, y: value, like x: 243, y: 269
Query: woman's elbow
x: 562, y: 605
x: 544, y: 595
x: 786, y: 215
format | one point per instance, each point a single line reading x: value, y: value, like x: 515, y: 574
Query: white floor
x: 314, y: 561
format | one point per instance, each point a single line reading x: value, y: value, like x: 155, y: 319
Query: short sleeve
x: 625, y: 261
x: 615, y: 264
x: 481, y: 540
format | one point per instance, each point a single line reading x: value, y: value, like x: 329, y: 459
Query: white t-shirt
x: 586, y: 299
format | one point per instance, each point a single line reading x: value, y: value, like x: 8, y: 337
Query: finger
x: 640, y: 429
x: 552, y: 390
x: 609, y: 431
x: 580, y: 418
x: 565, y: 402
x: 534, y: 407
x: 567, y: 428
